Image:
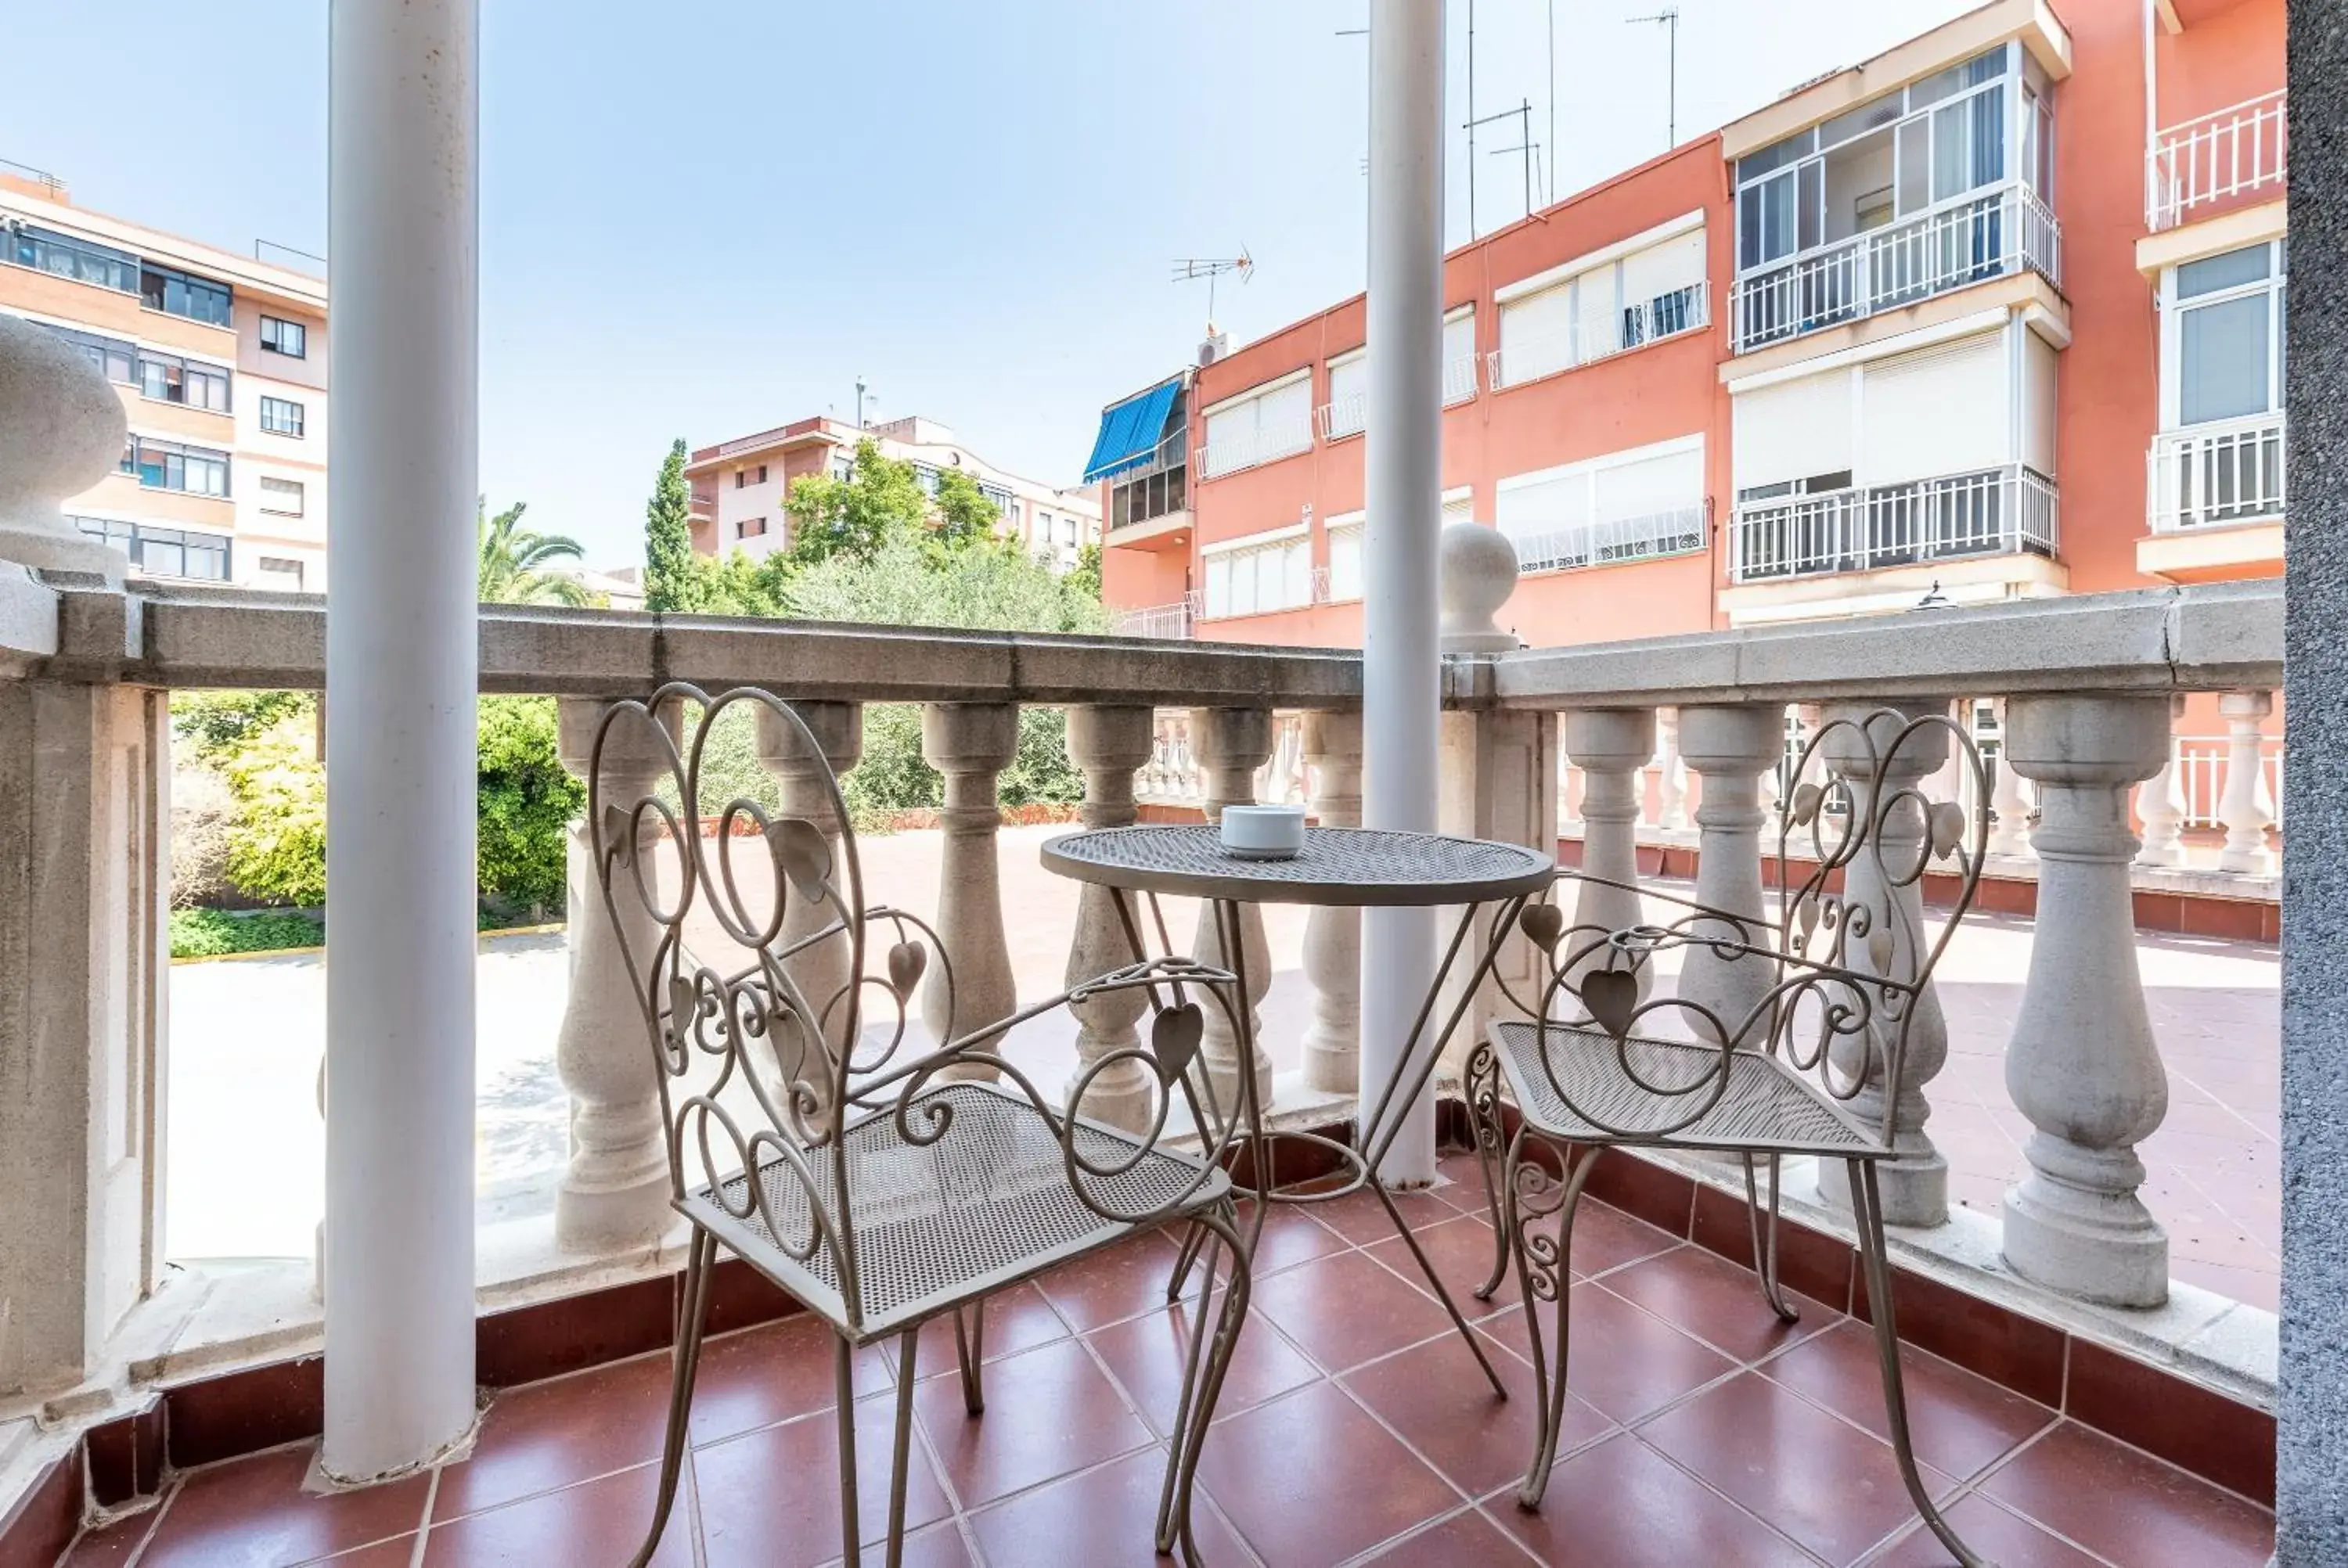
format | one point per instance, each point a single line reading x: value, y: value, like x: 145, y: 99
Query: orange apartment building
x: 1997, y: 311
x: 221, y: 363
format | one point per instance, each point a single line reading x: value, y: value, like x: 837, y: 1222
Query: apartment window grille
x: 168, y: 466
x: 282, y: 498
x: 291, y: 339
x: 1628, y: 505
x: 282, y: 417
x: 163, y: 552
x: 178, y: 293
x: 1255, y: 579
x: 1653, y: 292
x: 83, y: 260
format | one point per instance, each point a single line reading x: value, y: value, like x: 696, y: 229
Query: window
x: 1252, y: 575
x: 2224, y: 335
x: 178, y: 293
x: 281, y: 573
x: 280, y: 416
x: 999, y: 496
x: 843, y: 468
x: 167, y: 465
x: 163, y: 552
x: 1067, y: 530
x: 750, y: 527
x: 762, y: 472
x: 1558, y: 320
x: 281, y: 498
x: 1347, y: 410
x: 1271, y: 422
x: 168, y: 378
x: 1624, y: 507
x: 291, y: 339
x: 115, y: 359
x: 83, y: 260
x: 1346, y: 556
x: 741, y: 477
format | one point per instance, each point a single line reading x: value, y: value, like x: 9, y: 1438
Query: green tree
x: 880, y: 500
x: 670, y: 565
x: 965, y: 516
x: 514, y: 560
x: 1085, y: 577
x: 524, y: 800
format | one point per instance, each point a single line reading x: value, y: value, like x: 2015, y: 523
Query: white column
x: 1108, y: 743
x: 2009, y: 833
x: 2160, y: 802
x: 1401, y: 671
x: 1915, y: 1182
x: 1230, y: 746
x: 1611, y: 746
x: 1731, y: 750
x: 1332, y: 937
x: 1671, y: 769
x: 616, y: 1193
x: 1568, y: 800
x: 970, y: 742
x: 2247, y: 807
x: 821, y: 972
x: 2082, y: 1064
x: 403, y: 110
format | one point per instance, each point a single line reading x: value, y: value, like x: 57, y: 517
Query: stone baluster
x: 1915, y: 1181
x: 1731, y: 749
x: 969, y: 743
x: 821, y: 972
x: 1671, y: 768
x: 2009, y: 832
x: 1332, y: 937
x: 1569, y: 801
x: 2247, y: 806
x: 2082, y: 1065
x: 2161, y: 803
x: 1230, y: 745
x: 1611, y: 746
x: 1108, y: 743
x: 614, y: 1194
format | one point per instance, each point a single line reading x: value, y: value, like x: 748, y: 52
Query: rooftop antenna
x: 1472, y: 121
x: 1669, y: 18
x: 1191, y: 267
x: 862, y: 393
x: 1526, y: 148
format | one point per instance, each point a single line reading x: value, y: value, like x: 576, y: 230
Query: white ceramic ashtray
x: 1264, y: 832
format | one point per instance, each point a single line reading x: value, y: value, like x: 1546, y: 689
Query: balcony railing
x: 1168, y: 621
x: 2217, y: 475
x: 1964, y: 242
x: 1995, y: 511
x: 2233, y: 152
x: 1347, y: 416
x: 1279, y: 438
x: 1683, y: 310
x: 1675, y: 531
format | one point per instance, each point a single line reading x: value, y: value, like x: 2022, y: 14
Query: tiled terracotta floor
x: 1353, y: 1428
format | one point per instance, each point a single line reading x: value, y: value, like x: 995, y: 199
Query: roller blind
x: 1535, y: 334
x: 1793, y: 430
x: 1942, y: 411
x: 1660, y: 270
x: 1650, y: 487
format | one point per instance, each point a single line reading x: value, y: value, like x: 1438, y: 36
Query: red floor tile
x: 595, y: 1523
x: 1626, y: 1362
x: 761, y: 1376
x: 1360, y: 1219
x: 1962, y: 1424
x: 2127, y: 1506
x: 1312, y: 1479
x: 253, y: 1512
x: 1290, y: 1236
x: 1604, y: 1238
x: 547, y: 1435
x: 1622, y: 1503
x: 1442, y: 1407
x: 770, y: 1499
x: 939, y: 1546
x: 1701, y: 1294
x: 1462, y: 1250
x: 1832, y: 1487
x: 112, y: 1546
x: 1016, y: 1319
x: 1466, y: 1540
x: 2005, y: 1539
x: 1100, y: 1518
x: 1147, y: 1356
x: 1344, y: 1309
x: 1119, y: 1282
x: 1049, y: 1411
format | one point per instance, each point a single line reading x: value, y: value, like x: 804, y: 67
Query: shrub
x: 209, y: 932
x: 277, y: 846
x: 526, y: 801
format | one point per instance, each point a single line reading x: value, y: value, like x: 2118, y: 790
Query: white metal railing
x: 1673, y: 532
x: 1993, y: 511
x: 1282, y: 438
x: 1960, y: 243
x: 2211, y: 476
x: 1683, y: 310
x: 2230, y: 152
x: 1460, y: 378
x: 1169, y: 621
x: 1349, y: 415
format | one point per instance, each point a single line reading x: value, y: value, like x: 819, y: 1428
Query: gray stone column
x: 1915, y: 1182
x: 1332, y: 937
x: 969, y: 743
x: 1230, y: 745
x: 2082, y: 1064
x: 1671, y: 773
x: 1108, y: 743
x: 1611, y: 747
x: 614, y: 1195
x: 821, y: 972
x: 2247, y: 806
x: 1731, y: 749
x: 2009, y: 807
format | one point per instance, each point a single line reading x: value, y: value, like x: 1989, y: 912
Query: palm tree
x: 513, y: 561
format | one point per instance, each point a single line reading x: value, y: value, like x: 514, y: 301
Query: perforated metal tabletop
x: 1337, y: 866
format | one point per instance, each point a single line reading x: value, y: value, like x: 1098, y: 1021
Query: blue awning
x: 1130, y: 431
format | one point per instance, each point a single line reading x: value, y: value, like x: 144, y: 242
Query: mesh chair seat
x: 936, y: 1225
x: 1767, y: 1107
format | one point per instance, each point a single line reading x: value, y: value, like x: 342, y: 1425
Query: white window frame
x: 1574, y: 277
x: 1588, y: 470
x: 2276, y: 285
x: 1221, y: 562
x: 271, y: 490
x: 1258, y: 447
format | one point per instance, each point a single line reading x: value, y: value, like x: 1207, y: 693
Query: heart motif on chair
x: 1544, y: 923
x: 1807, y: 797
x: 684, y: 1007
x: 620, y: 835
x: 906, y: 962
x: 1174, y: 1037
x: 802, y: 853
x: 1879, y: 949
x: 1948, y: 828
x: 1611, y: 996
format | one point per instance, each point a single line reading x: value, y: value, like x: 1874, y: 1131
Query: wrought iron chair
x: 1812, y: 1068
x: 882, y: 1193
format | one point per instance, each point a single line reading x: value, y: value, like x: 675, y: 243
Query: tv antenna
x: 1669, y: 18
x: 1189, y: 269
x: 1526, y: 148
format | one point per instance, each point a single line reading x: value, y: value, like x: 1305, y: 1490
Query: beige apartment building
x: 221, y: 363
x: 739, y: 486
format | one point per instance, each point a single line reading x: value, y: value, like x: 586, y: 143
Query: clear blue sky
x: 701, y: 218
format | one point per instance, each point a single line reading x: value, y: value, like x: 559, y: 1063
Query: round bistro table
x: 1356, y: 867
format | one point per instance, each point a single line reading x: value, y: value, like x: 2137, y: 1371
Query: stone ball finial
x: 61, y: 431
x: 1479, y: 574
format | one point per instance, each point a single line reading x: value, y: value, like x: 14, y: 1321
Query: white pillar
x: 969, y: 743
x: 1611, y: 746
x: 2160, y: 802
x: 2082, y: 1064
x: 821, y: 972
x: 1731, y: 750
x: 1671, y: 782
x: 616, y: 1193
x: 2247, y: 807
x: 1401, y: 669
x: 2009, y: 833
x: 1109, y: 744
x: 1332, y: 937
x: 403, y: 110
x: 1231, y: 745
